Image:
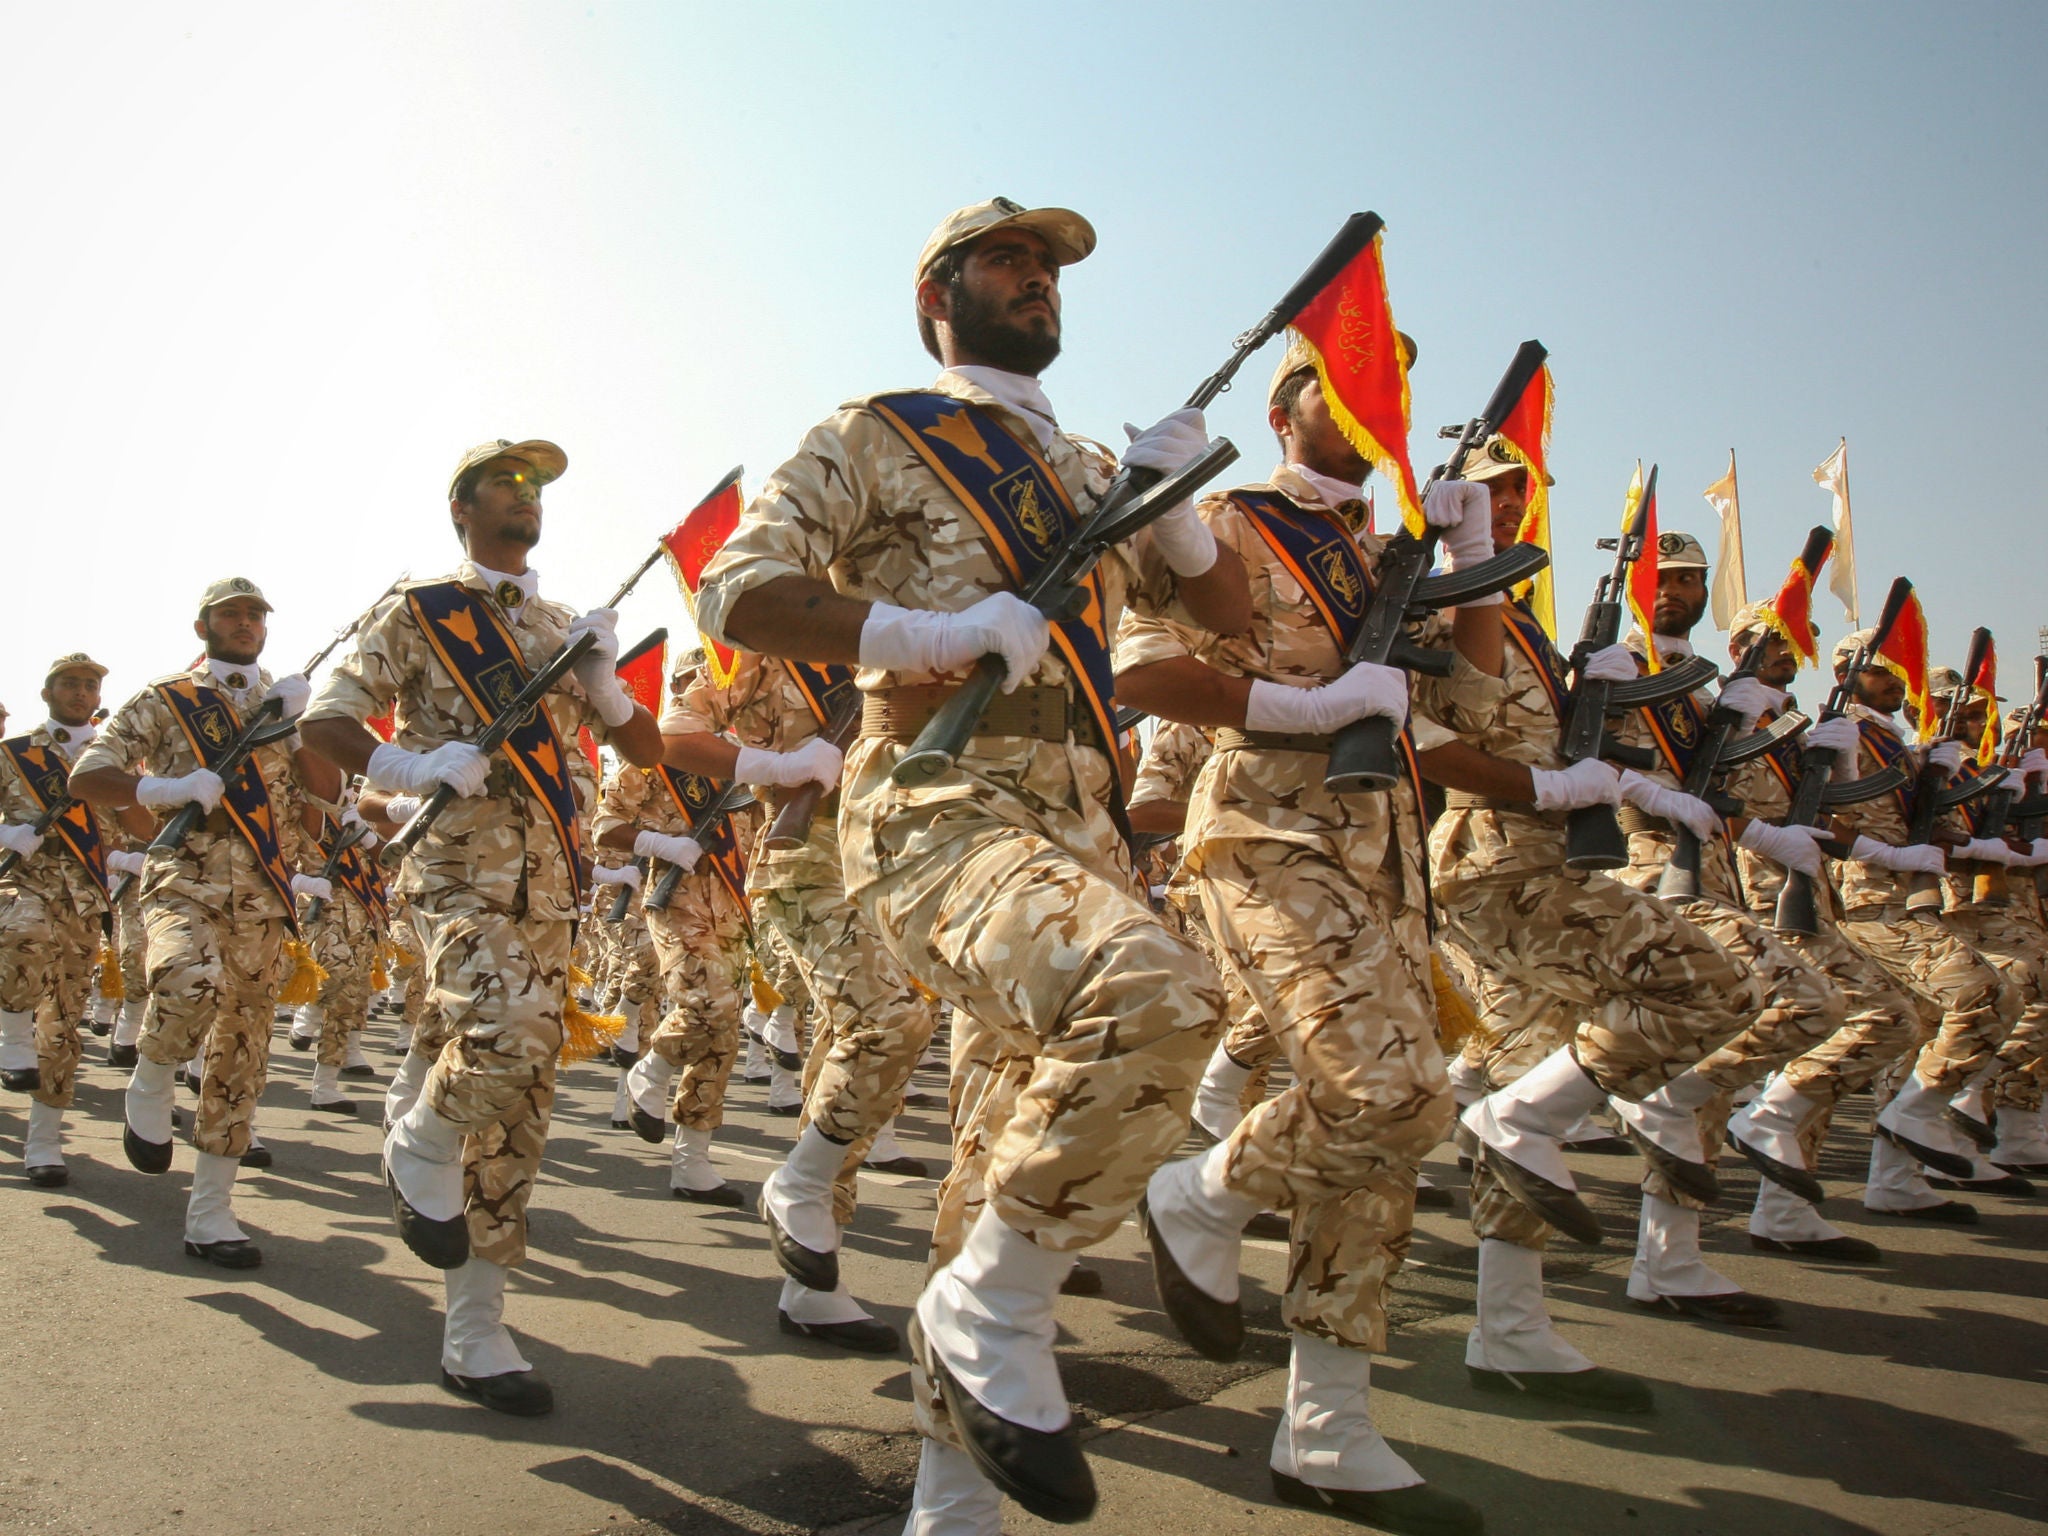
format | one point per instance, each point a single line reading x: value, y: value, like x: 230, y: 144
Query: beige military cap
x: 1492, y: 459
x: 76, y: 661
x: 1299, y: 358
x: 1069, y: 236
x: 1749, y: 619
x: 1680, y: 552
x: 1942, y: 682
x: 230, y: 587
x: 547, y: 460
x: 1846, y: 648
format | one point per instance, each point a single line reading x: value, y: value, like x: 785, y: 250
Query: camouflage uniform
x: 493, y: 900
x: 215, y: 923
x: 2007, y: 934
x: 344, y: 944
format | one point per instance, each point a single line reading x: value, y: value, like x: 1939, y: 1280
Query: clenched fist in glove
x: 1749, y: 698
x: 1675, y: 805
x: 294, y: 693
x: 122, y: 862
x: 1913, y: 859
x: 625, y: 874
x: 916, y: 640
x: 1611, y: 664
x: 201, y: 787
x: 313, y: 886
x: 681, y: 851
x: 817, y: 762
x: 1793, y: 848
x: 596, y: 670
x: 19, y: 838
x: 1183, y: 540
x: 1366, y: 689
x: 1587, y: 782
x: 462, y: 767
x: 1837, y: 735
x: 1947, y: 756
x: 1462, y: 513
x: 1986, y: 850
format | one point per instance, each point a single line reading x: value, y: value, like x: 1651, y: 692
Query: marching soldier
x: 344, y: 942
x: 494, y: 884
x: 218, y: 907
x: 889, y: 541
x: 2014, y: 1095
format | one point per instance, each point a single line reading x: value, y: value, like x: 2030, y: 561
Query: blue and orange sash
x: 46, y: 774
x: 1025, y: 514
x: 356, y: 874
x: 1783, y: 759
x: 827, y: 687
x: 1887, y: 748
x: 470, y: 639
x: 1528, y: 636
x: 693, y: 794
x: 210, y: 726
x: 1675, y: 727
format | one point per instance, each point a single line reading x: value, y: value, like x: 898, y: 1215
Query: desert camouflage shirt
x: 52, y: 872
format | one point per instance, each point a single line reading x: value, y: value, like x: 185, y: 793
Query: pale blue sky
x: 270, y: 269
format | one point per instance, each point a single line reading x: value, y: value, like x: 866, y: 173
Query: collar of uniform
x: 224, y: 674
x: 68, y: 739
x: 1856, y: 711
x: 1309, y: 488
x: 502, y: 585
x: 1018, y: 394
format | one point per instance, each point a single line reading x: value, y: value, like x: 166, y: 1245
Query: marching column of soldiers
x: 219, y: 840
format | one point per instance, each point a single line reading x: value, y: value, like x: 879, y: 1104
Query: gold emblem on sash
x: 959, y: 433
x: 500, y: 684
x: 1336, y: 572
x: 212, y: 725
x: 1019, y: 493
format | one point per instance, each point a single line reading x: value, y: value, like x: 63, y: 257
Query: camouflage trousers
x: 493, y: 1024
x: 213, y: 980
x: 345, y: 946
x: 1925, y: 956
x: 700, y: 941
x: 871, y: 1025
x: 1339, y: 971
x: 2018, y: 951
x: 1560, y: 958
x: 636, y: 968
x: 1882, y: 1021
x: 47, y: 952
x: 131, y: 943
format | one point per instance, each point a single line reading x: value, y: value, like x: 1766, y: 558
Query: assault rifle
x: 59, y: 804
x: 1932, y: 794
x: 734, y: 797
x: 2004, y: 805
x: 349, y: 837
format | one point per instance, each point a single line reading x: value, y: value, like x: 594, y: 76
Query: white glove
x: 1946, y: 755
x: 400, y: 809
x: 1587, y: 782
x: 201, y: 787
x: 312, y: 885
x: 1837, y: 735
x: 1463, y: 513
x: 2036, y: 855
x: 1366, y: 689
x: 1183, y: 540
x: 458, y: 764
x: 1611, y: 664
x: 2035, y: 763
x: 1749, y: 698
x: 1918, y: 858
x: 1654, y: 799
x: 817, y: 762
x: 1793, y: 848
x: 352, y: 818
x: 681, y: 851
x: 625, y: 874
x: 1986, y: 850
x: 917, y: 640
x: 18, y: 837
x: 122, y: 862
x: 296, y: 693
x: 596, y: 673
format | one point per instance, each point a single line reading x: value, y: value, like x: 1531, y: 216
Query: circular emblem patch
x: 237, y: 680
x: 509, y: 595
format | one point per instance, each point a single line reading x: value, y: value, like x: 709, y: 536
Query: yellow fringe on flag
x: 585, y: 1035
x: 1456, y: 1019
x: 306, y: 979
x: 111, y: 986
x: 766, y: 998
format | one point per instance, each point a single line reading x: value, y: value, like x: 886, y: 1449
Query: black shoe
x: 1559, y: 1206
x: 27, y: 1080
x: 145, y: 1156
x: 1610, y: 1391
x: 1602, y: 1146
x: 1954, y: 1213
x: 1952, y: 1164
x: 1738, y: 1309
x: 1464, y: 1163
x: 754, y: 1077
x: 649, y: 1128
x: 909, y: 1167
x: 786, y: 1111
x: 1695, y: 1179
x: 919, y: 1099
x: 237, y: 1254
x: 1985, y: 1136
x: 1214, y: 1328
x: 365, y: 1070
x: 48, y: 1175
x: 124, y: 1056
x: 1841, y: 1250
x: 623, y: 1059
x: 520, y: 1393
x: 101, y: 1030
x: 257, y: 1157
x: 2038, y: 1170
x: 866, y: 1337
x: 1043, y: 1470
x: 193, y: 1082
x: 1796, y: 1180
x: 441, y: 1244
x: 727, y: 1195
x: 334, y: 1107
x: 1082, y: 1280
x: 1418, y: 1510
x: 2011, y: 1185
x: 1430, y: 1198
x: 1271, y: 1226
x: 622, y: 1125
x: 303, y: 1042
x: 789, y: 1061
x: 806, y: 1266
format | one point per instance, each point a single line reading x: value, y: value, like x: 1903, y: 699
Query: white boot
x: 43, y: 1144
x: 474, y: 1340
x: 1216, y: 1100
x: 952, y: 1497
x: 152, y: 1094
x: 1526, y: 1121
x: 1771, y: 1122
x: 1668, y: 1260
x: 102, y: 1011
x: 799, y: 1193
x: 1895, y: 1181
x: 210, y: 1212
x: 327, y: 1086
x: 1513, y: 1331
x: 690, y: 1165
x: 785, y: 1087
x: 1914, y: 1114
x: 1468, y: 1083
x: 355, y: 1056
x: 622, y: 1102
x: 423, y: 1154
x: 755, y: 1068
x: 17, y: 1040
x: 778, y: 1030
x: 650, y: 1082
x: 1326, y: 1437
x: 885, y: 1148
x: 988, y: 1318
x: 1783, y: 1217
x: 800, y: 1304
x: 128, y: 1028
x: 1200, y: 1220
x: 1670, y: 1116
x: 2022, y: 1138
x: 405, y: 1086
x: 306, y: 1024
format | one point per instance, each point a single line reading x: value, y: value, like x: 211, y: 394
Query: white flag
x: 1731, y: 590
x: 1833, y: 477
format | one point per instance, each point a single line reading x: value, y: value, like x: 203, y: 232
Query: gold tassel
x: 1456, y: 1019
x: 586, y: 1036
x: 402, y: 958
x: 306, y: 979
x: 379, y: 980
x: 111, y: 986
x: 579, y: 979
x: 923, y: 991
x: 766, y: 998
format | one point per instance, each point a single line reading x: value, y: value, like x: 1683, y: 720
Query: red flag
x: 1642, y: 576
x: 1985, y: 686
x: 690, y: 546
x: 1903, y: 653
x: 1526, y: 435
x: 644, y: 671
x: 1348, y: 329
x: 1790, y: 613
x: 382, y: 724
x: 588, y: 743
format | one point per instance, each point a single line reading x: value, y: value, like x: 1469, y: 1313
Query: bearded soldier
x: 218, y: 906
x: 494, y: 884
x: 890, y: 541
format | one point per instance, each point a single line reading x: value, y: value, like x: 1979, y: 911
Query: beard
x: 1674, y: 622
x: 982, y: 327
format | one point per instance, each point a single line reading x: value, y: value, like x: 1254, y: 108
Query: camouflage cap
x: 1942, y: 682
x: 1846, y: 648
x: 1749, y: 619
x: 1069, y: 236
x: 1298, y: 358
x: 547, y: 460
x: 1680, y: 552
x: 76, y: 661
x: 1492, y: 459
x: 2017, y: 717
x: 230, y: 587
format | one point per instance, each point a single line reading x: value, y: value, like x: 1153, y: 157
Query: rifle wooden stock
x: 791, y: 828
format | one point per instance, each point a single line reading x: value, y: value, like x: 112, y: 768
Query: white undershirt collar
x: 1016, y: 391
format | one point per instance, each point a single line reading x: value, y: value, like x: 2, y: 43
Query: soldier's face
x: 1003, y: 309
x: 1778, y: 665
x: 1879, y: 689
x: 1969, y: 722
x: 505, y: 508
x: 72, y: 696
x: 1681, y: 599
x: 1311, y: 436
x: 235, y: 630
x: 1509, y: 494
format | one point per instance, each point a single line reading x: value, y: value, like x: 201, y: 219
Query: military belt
x: 1634, y: 820
x: 1465, y: 800
x: 1045, y: 712
x: 1228, y: 740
